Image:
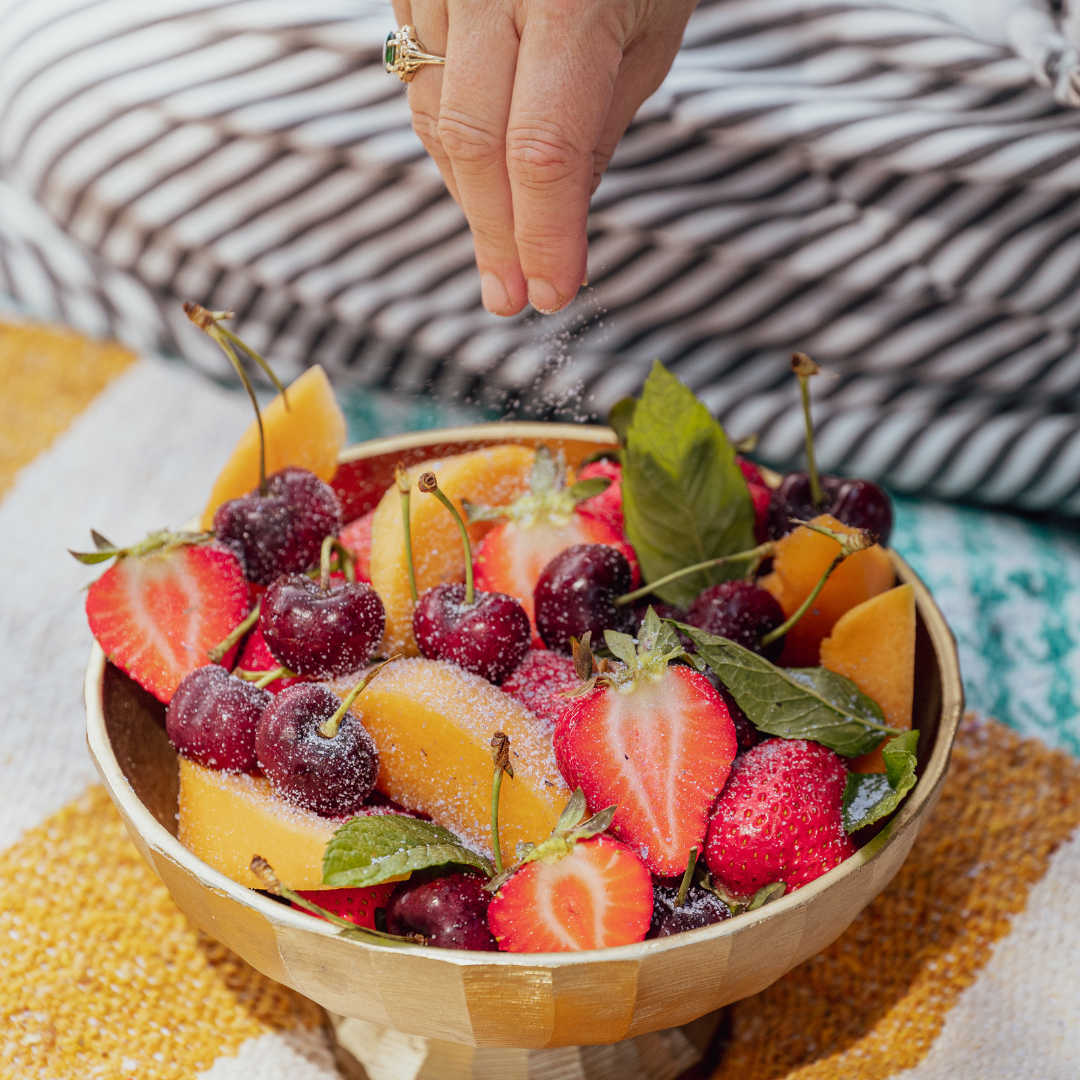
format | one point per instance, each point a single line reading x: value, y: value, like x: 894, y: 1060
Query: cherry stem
x: 262, y: 679
x: 500, y: 753
x: 273, y: 884
x: 687, y: 878
x: 804, y: 367
x: 762, y: 551
x: 430, y: 486
x: 346, y: 560
x: 401, y: 477
x: 217, y: 653
x: 208, y: 321
x: 329, y: 728
x: 857, y: 541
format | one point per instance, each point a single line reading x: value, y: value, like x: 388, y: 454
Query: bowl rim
x: 158, y: 838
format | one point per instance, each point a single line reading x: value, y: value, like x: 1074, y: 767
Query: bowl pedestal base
x: 366, y: 1051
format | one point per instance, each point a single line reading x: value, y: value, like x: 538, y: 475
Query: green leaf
x: 868, y: 797
x: 369, y: 850
x: 684, y: 498
x: 766, y: 895
x: 622, y: 413
x: 794, y: 703
x: 586, y: 489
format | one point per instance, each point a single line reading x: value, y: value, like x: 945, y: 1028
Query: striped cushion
x: 872, y: 184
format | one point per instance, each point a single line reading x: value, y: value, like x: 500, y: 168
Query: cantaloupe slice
x: 432, y: 724
x: 496, y: 476
x: 801, y: 558
x: 310, y: 433
x: 873, y: 644
x: 226, y: 818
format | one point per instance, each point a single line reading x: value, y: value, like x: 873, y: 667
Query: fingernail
x: 585, y: 280
x: 493, y: 293
x: 543, y: 296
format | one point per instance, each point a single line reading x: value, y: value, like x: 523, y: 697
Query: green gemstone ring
x: 404, y: 55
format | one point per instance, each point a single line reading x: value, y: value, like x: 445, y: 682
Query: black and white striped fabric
x: 876, y: 185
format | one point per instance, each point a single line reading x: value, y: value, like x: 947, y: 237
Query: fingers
x: 481, y: 59
x: 567, y: 68
x: 425, y: 90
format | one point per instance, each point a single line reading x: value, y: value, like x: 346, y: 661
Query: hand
x: 524, y: 117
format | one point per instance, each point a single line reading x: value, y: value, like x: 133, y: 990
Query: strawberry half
x: 654, y: 738
x: 536, y: 527
x: 356, y: 905
x: 356, y: 536
x: 540, y: 682
x: 597, y: 896
x: 157, y: 612
x: 780, y: 817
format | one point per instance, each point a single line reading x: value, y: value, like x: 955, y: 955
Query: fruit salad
x: 526, y: 703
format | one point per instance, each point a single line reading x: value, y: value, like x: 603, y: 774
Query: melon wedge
x: 309, y: 433
x: 226, y: 818
x: 432, y: 724
x: 873, y: 644
x: 801, y: 558
x: 496, y: 476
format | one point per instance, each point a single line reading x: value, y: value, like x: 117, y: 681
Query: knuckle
x: 543, y: 157
x: 466, y: 140
x: 427, y: 130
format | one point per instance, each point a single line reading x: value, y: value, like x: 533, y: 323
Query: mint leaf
x: 868, y: 797
x: 369, y: 850
x: 794, y: 703
x: 622, y: 412
x: 685, y: 499
x: 767, y: 894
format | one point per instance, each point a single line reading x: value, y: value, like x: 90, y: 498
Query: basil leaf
x: 794, y: 703
x: 369, y: 850
x: 685, y: 499
x: 622, y: 412
x: 868, y: 797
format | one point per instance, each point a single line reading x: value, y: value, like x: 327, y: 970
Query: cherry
x: 700, y: 908
x: 315, y: 752
x: 792, y: 499
x: 485, y: 633
x: 863, y: 505
x: 488, y: 637
x: 279, y: 530
x: 746, y: 735
x: 449, y: 910
x: 576, y: 593
x: 741, y: 611
x: 321, y: 633
x: 212, y: 718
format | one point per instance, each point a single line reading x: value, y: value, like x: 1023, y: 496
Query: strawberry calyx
x: 569, y: 829
x: 161, y: 541
x: 549, y: 501
x: 647, y: 657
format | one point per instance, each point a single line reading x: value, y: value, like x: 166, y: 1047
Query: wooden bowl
x: 503, y: 999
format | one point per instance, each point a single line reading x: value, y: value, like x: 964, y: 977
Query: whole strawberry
x: 540, y: 682
x: 654, y: 738
x: 779, y: 817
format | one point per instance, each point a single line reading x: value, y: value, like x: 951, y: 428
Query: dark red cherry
x: 741, y: 611
x: 450, y: 911
x: 212, y: 719
x: 329, y: 774
x: 282, y: 531
x: 489, y: 637
x: 576, y: 593
x: 321, y: 634
x: 863, y: 505
x: 700, y: 908
x: 792, y: 499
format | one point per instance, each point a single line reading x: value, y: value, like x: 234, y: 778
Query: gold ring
x: 405, y: 56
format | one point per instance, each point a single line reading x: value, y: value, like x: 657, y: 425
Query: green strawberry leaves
x: 794, y: 703
x: 685, y: 499
x: 868, y: 797
x: 369, y: 850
